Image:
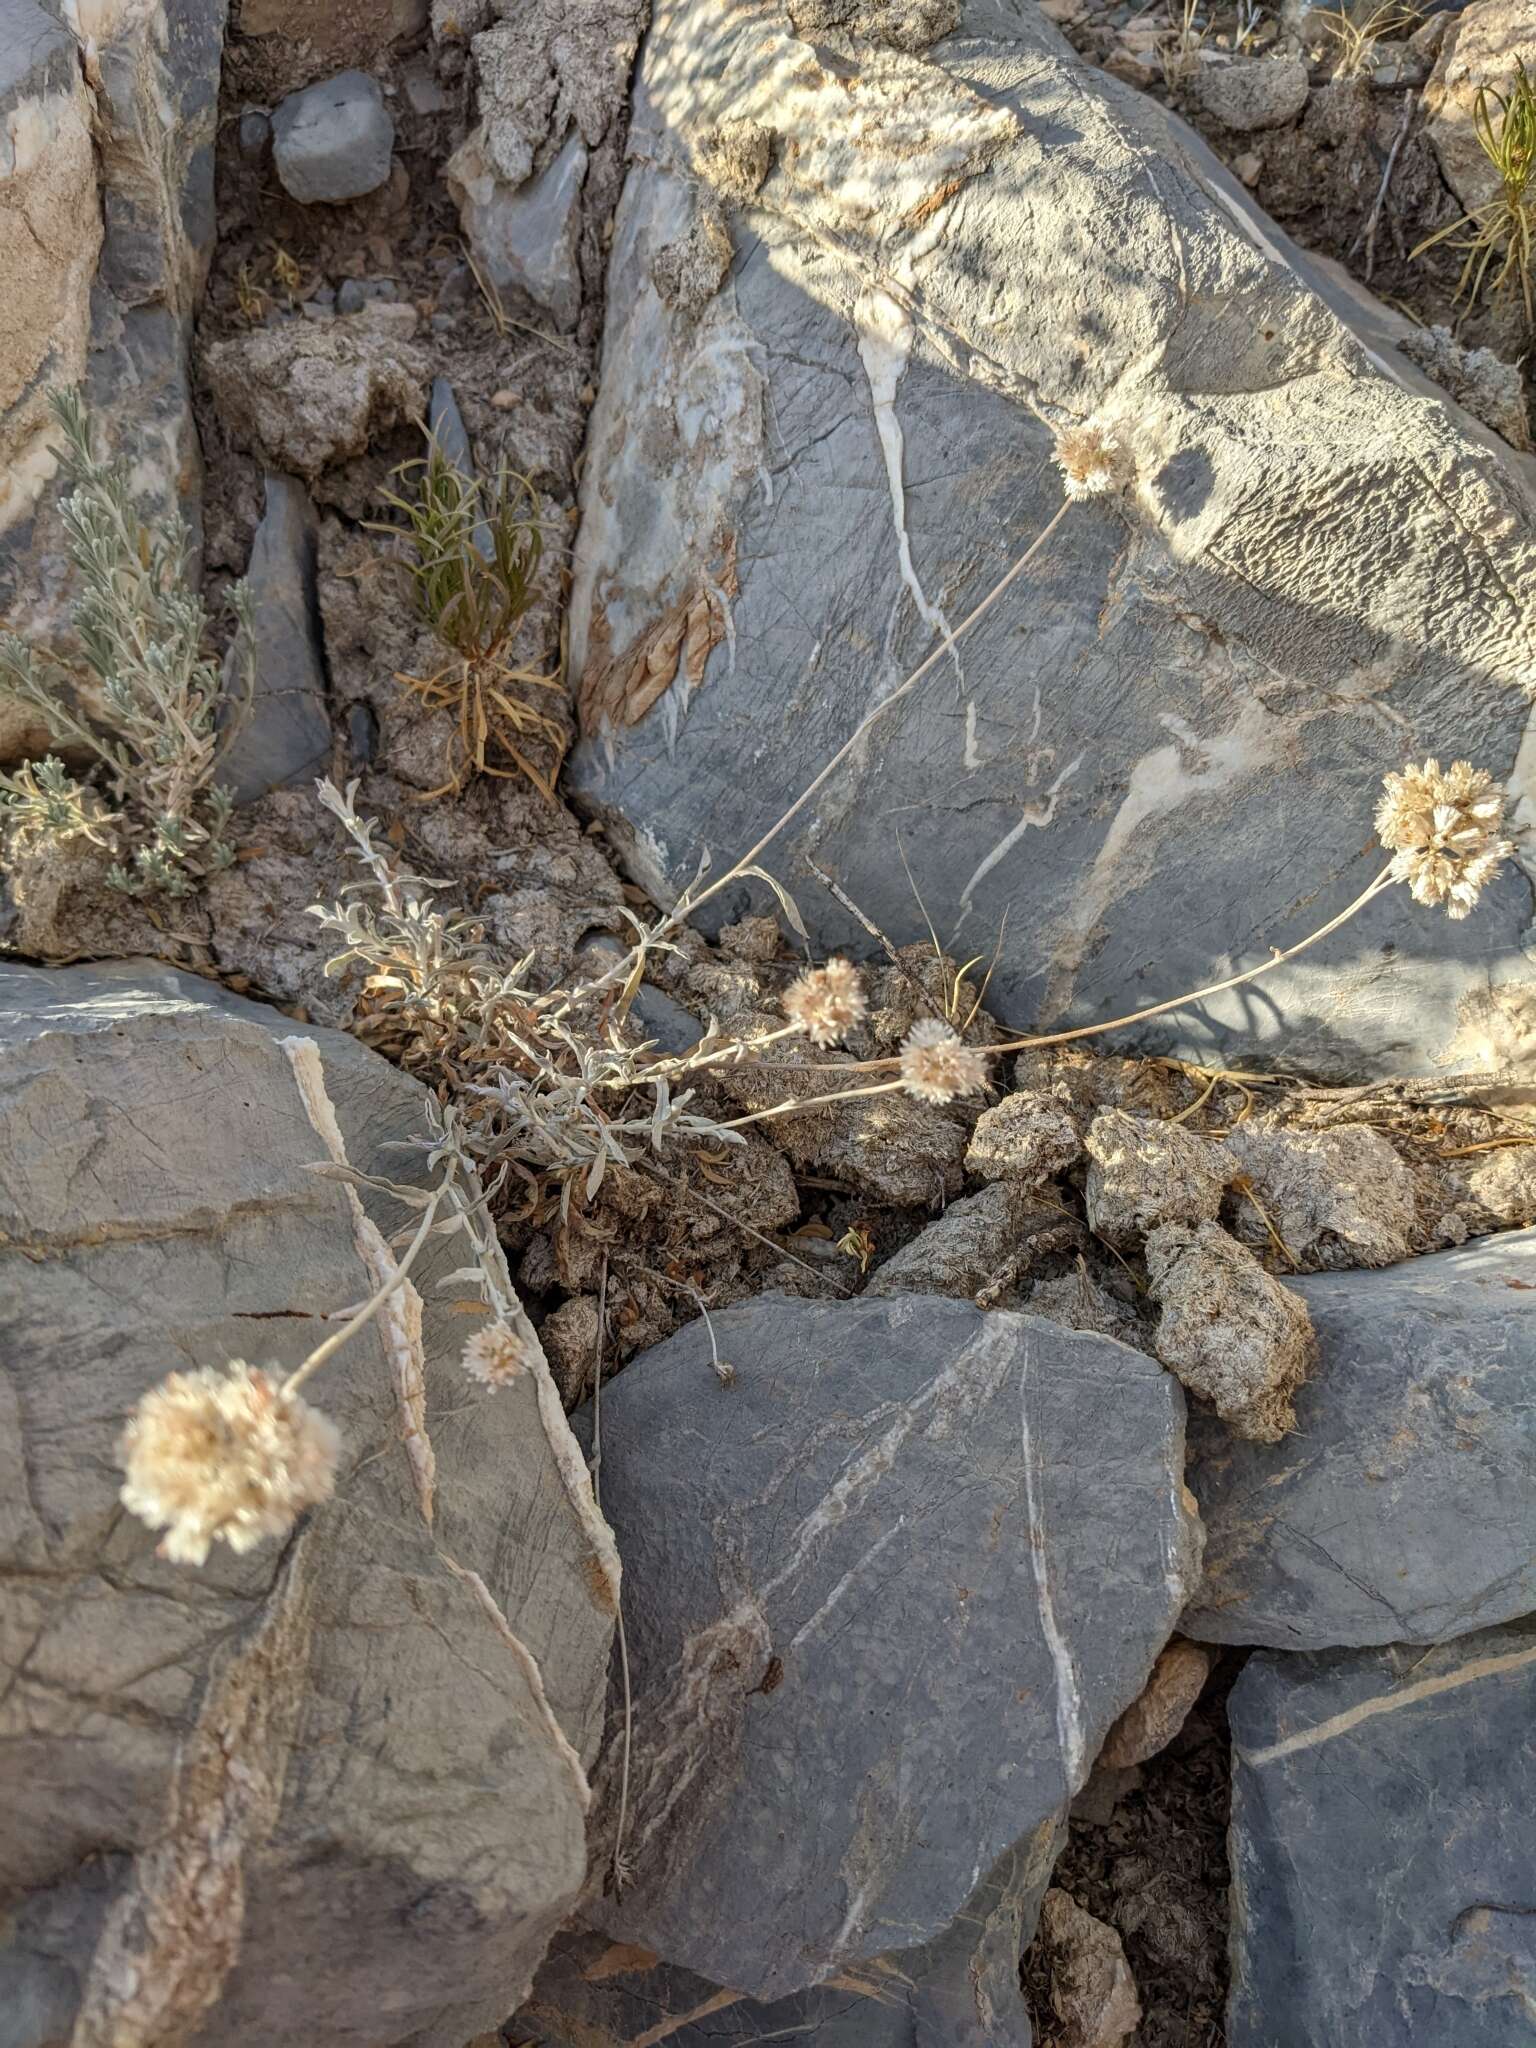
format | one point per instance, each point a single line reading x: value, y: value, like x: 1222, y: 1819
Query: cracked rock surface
x: 791, y: 490
x: 1400, y: 1510
x: 308, y: 1793
x: 901, y: 1576
x: 1401, y: 1915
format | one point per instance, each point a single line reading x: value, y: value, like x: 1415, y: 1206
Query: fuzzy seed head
x: 1443, y: 829
x: 1092, y: 460
x: 937, y: 1065
x: 215, y: 1456
x: 495, y: 1355
x: 826, y: 1003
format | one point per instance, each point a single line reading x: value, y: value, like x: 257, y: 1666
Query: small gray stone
x: 254, y: 135
x: 1251, y: 94
x: 1403, y: 1508
x: 902, y: 1576
x: 353, y: 293
x: 653, y: 1012
x: 286, y: 733
x: 333, y: 141
x: 423, y: 89
x: 1383, y: 1891
x: 526, y: 236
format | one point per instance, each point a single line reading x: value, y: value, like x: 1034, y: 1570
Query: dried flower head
x: 826, y: 1003
x: 1443, y: 827
x: 1092, y: 460
x: 495, y: 1355
x: 224, y: 1456
x: 937, y: 1065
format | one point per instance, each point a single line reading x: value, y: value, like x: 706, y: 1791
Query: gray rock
x: 1382, y: 1884
x: 1262, y: 92
x: 285, y: 736
x: 251, y: 1802
x: 50, y: 233
x: 1075, y: 250
x: 1403, y: 1509
x: 446, y: 425
x: 961, y: 1991
x: 526, y: 236
x: 902, y: 1575
x: 108, y: 205
x: 37, y: 55
x: 333, y: 141
x: 254, y: 135
x: 354, y: 293
x: 422, y: 88
x: 653, y: 1013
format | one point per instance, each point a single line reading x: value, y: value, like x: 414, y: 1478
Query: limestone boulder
x: 332, y: 1790
x: 1402, y: 1508
x: 1158, y: 756
x: 885, y: 1595
x: 1381, y: 1874
x: 103, y: 253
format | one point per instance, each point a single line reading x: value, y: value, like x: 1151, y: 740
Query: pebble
x: 356, y: 292
x: 333, y: 141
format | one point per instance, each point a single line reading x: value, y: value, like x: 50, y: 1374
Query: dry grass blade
x: 1356, y: 30
x: 1499, y: 237
x: 477, y: 546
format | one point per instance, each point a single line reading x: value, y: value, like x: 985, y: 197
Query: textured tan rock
x: 1092, y: 1989
x: 302, y: 397
x: 1145, y: 1172
x: 1481, y: 47
x: 1340, y: 1197
x: 1027, y: 1137
x: 1231, y: 1331
x: 1150, y: 1723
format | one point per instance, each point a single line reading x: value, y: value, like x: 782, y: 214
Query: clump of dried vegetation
x: 165, y: 713
x: 537, y: 1095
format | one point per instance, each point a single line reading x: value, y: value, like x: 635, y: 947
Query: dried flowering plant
x: 552, y: 1087
x: 236, y: 1454
x: 1444, y: 830
x: 144, y: 633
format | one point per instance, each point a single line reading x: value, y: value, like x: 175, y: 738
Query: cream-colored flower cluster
x: 1443, y: 828
x: 826, y: 1003
x: 1093, y: 461
x: 227, y: 1457
x: 937, y: 1065
x: 495, y: 1355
